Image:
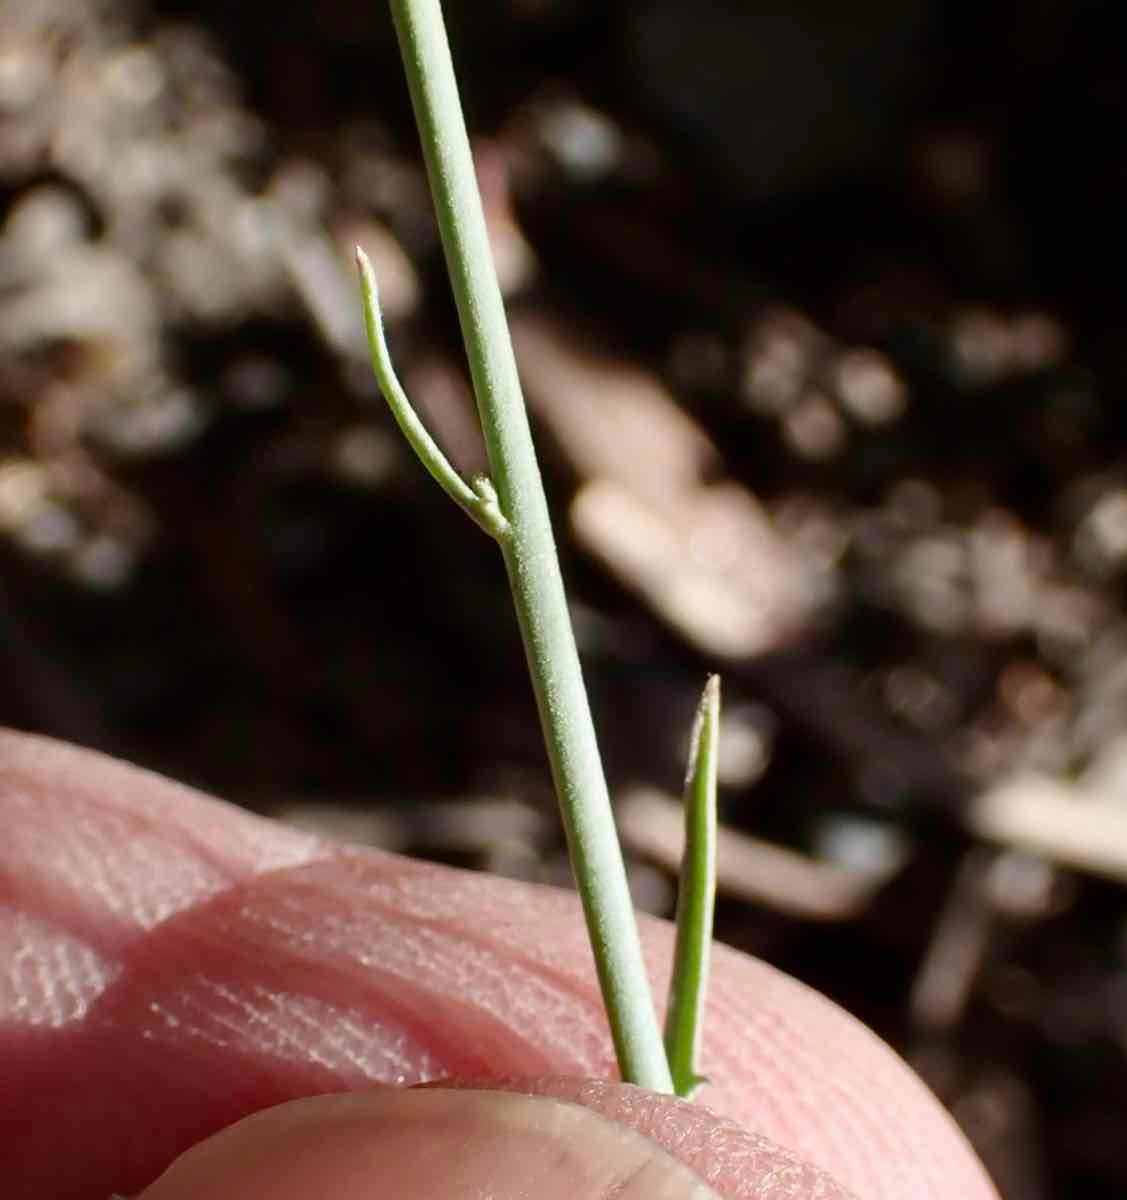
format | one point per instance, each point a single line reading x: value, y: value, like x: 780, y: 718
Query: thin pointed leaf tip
x: 696, y: 896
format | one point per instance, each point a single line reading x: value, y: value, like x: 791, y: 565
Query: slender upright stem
x: 529, y: 548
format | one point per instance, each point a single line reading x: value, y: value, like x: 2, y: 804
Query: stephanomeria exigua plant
x: 510, y: 506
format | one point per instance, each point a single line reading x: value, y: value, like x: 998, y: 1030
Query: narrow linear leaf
x: 696, y: 896
x: 480, y: 501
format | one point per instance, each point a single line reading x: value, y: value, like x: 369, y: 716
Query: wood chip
x: 1060, y: 822
x: 703, y: 554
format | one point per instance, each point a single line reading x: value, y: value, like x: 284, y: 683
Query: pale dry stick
x: 1059, y: 821
x: 958, y: 947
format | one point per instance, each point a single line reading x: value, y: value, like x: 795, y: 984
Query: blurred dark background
x: 820, y: 309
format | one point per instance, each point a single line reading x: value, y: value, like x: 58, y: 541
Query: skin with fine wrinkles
x: 169, y: 964
x: 437, y: 1145
x: 739, y: 1164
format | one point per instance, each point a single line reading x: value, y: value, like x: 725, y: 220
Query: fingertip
x: 429, y: 1145
x: 555, y: 1138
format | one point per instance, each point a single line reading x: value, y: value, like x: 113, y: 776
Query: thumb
x: 446, y: 1144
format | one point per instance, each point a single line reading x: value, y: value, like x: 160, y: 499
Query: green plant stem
x: 696, y: 897
x: 479, y: 501
x: 529, y: 548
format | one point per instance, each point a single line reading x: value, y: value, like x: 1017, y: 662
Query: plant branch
x: 696, y: 897
x: 478, y: 501
x: 529, y: 548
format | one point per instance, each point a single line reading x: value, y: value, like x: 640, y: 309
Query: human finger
x: 180, y: 964
x: 445, y: 1144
